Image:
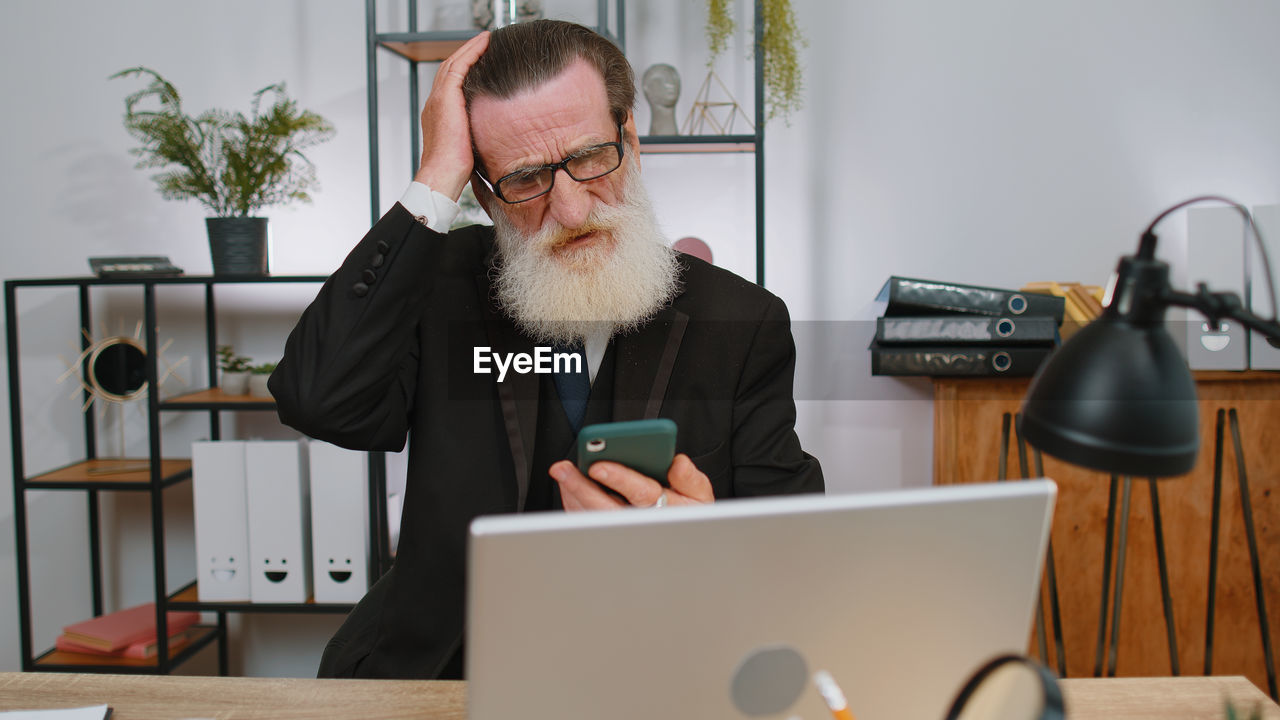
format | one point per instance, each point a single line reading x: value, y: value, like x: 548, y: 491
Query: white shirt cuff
x: 430, y: 207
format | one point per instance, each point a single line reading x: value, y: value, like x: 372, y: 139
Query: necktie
x: 574, y: 387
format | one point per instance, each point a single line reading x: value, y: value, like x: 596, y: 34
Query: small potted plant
x: 258, y: 375
x: 232, y: 164
x: 235, y: 371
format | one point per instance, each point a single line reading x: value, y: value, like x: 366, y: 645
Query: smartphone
x: 646, y: 446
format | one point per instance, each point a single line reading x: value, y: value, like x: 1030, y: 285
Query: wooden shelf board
x: 215, y: 395
x: 186, y: 594
x: 682, y: 144
x: 655, y: 148
x: 424, y: 50
x: 112, y: 470
x: 62, y: 657
x: 189, y: 597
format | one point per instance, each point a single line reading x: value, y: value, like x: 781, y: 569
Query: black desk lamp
x: 1118, y: 397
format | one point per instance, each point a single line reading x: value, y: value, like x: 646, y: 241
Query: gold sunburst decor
x: 113, y: 369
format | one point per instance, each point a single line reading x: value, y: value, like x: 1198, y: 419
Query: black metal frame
x: 1224, y: 418
x: 1050, y: 569
x: 1115, y: 552
x: 1119, y: 541
x: 158, y: 482
x: 374, y: 39
x: 1251, y: 536
x: 1103, y: 648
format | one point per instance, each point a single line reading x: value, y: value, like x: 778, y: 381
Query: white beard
x: 612, y: 286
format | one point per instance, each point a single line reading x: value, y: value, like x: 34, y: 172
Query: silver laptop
x: 727, y: 610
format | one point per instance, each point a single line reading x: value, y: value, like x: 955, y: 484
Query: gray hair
x: 526, y: 55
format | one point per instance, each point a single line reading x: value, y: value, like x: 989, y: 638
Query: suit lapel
x: 517, y: 393
x: 645, y: 360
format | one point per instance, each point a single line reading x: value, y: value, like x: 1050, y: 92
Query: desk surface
x: 146, y: 697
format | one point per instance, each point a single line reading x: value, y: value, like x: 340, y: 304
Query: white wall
x: 993, y: 142
x: 999, y: 142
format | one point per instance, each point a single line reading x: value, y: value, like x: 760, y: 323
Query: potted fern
x: 231, y: 163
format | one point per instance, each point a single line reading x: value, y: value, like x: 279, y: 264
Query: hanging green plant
x: 780, y: 42
x: 783, y: 82
x: 719, y: 27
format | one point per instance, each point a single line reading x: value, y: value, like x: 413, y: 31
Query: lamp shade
x: 1117, y: 397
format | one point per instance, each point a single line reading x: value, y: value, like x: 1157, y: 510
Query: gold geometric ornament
x: 714, y: 117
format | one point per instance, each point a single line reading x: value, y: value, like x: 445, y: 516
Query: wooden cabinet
x: 970, y: 415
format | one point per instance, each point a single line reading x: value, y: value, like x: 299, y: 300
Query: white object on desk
x: 1216, y: 238
x: 1262, y: 356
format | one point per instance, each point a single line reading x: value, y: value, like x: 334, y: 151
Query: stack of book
x: 945, y: 329
x: 128, y: 633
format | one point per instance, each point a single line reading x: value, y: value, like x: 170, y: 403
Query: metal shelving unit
x: 417, y: 47
x: 152, y: 475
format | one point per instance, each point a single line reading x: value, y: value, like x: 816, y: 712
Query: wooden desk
x: 1163, y: 698
x: 147, y: 697
x: 160, y: 697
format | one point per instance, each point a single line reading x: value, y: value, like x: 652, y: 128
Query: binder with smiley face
x: 221, y: 522
x: 279, y: 521
x: 339, y: 523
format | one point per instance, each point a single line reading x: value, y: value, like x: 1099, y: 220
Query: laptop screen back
x: 726, y: 610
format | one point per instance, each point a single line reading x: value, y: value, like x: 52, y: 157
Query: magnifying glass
x: 1009, y: 687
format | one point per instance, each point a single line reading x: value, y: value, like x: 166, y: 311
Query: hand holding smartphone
x: 646, y: 446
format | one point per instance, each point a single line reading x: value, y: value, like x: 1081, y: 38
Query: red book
x: 142, y: 649
x: 120, y: 629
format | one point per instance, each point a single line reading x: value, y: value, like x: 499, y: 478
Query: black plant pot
x: 238, y: 245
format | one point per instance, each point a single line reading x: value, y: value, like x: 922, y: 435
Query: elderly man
x: 539, y: 117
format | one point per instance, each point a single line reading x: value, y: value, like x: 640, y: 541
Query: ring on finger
x: 661, y: 501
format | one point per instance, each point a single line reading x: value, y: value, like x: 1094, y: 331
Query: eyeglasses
x: 587, y: 164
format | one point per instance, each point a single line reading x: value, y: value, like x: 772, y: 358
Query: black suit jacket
x: 388, y: 346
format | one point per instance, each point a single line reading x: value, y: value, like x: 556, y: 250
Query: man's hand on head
x: 688, y: 485
x: 446, y: 133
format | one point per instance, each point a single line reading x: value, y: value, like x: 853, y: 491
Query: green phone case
x: 646, y: 446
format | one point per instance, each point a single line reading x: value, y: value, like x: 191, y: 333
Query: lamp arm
x: 1218, y: 306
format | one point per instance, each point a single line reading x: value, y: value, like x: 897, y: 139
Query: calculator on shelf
x: 128, y: 266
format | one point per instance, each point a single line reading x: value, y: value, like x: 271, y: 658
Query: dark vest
x: 556, y: 440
